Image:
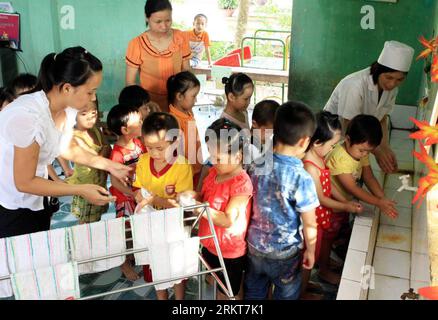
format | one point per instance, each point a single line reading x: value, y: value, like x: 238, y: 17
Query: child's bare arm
x: 337, y: 194
x: 310, y: 234
x: 68, y: 171
x: 208, y: 53
x: 236, y: 206
x: 327, y: 201
x: 385, y: 205
x: 371, y: 182
x: 120, y: 186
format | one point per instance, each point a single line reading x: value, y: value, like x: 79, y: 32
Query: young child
x: 228, y: 189
x: 24, y: 83
x: 125, y: 122
x: 262, y: 125
x: 183, y: 89
x: 199, y: 40
x: 6, y: 97
x: 349, y: 163
x: 284, y: 202
x: 161, y: 173
x: 238, y: 89
x: 90, y: 138
x: 326, y: 137
x: 137, y: 96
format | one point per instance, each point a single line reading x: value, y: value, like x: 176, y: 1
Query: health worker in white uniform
x: 373, y: 91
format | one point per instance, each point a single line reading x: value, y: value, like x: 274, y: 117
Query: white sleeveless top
x: 23, y: 122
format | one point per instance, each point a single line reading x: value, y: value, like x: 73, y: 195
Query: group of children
x: 274, y: 219
x: 280, y: 189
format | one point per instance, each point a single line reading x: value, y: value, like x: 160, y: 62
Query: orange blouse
x: 157, y: 66
x: 187, y: 124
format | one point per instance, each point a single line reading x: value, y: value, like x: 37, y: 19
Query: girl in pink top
x: 228, y: 189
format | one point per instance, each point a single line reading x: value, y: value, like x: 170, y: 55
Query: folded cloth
x: 60, y: 282
x: 174, y: 260
x: 37, y: 250
x: 140, y: 227
x: 5, y: 285
x: 157, y: 227
x: 174, y: 227
x: 96, y: 240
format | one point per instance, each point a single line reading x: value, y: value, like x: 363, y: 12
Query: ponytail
x: 236, y: 84
x: 73, y: 66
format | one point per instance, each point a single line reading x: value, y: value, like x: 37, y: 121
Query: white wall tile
x: 400, y: 134
x: 349, y: 290
x: 394, y: 263
x: 353, y: 266
x: 366, y: 217
x: 388, y: 288
x: 393, y: 181
x: 419, y: 284
x: 400, y: 117
x: 404, y: 199
x: 404, y: 218
x: 360, y: 238
x: 397, y: 238
x: 420, y: 267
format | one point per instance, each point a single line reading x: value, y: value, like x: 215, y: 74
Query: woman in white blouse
x: 35, y: 129
x: 373, y: 91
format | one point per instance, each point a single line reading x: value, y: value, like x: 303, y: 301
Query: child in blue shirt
x: 284, y: 206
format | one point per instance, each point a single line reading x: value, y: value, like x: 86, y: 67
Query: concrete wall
x: 104, y: 27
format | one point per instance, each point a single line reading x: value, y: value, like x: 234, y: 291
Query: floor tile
x: 388, y: 288
x: 360, y: 238
x: 353, y: 266
x: 404, y: 218
x: 420, y: 267
x: 392, y: 237
x: 394, y: 263
x: 349, y: 290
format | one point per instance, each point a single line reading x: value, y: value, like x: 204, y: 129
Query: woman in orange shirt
x: 158, y: 53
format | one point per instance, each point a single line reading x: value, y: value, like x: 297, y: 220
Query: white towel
x: 60, y: 282
x: 37, y: 250
x: 160, y: 265
x: 5, y: 285
x: 158, y: 227
x: 174, y: 227
x: 98, y: 240
x: 109, y: 237
x: 174, y: 260
x: 140, y: 226
x: 191, y: 256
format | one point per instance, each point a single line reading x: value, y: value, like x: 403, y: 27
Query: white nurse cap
x: 397, y: 56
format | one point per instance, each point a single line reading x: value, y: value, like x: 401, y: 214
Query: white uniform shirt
x: 23, y: 122
x: 357, y: 94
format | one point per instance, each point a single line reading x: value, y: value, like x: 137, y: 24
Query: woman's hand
x: 96, y: 195
x: 386, y: 159
x: 121, y: 172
